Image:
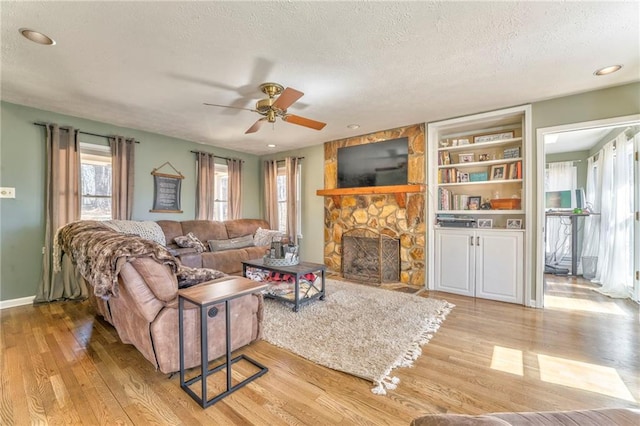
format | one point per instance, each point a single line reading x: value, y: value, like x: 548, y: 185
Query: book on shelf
x: 448, y: 175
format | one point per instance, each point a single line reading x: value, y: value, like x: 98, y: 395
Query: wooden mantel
x: 400, y: 192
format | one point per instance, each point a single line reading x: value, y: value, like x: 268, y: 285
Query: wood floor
x: 61, y: 365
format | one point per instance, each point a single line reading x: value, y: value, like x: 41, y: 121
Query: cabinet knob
x: 478, y: 240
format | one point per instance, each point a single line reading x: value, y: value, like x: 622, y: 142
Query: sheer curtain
x: 205, y: 189
x: 122, y: 158
x: 593, y: 201
x: 271, y: 193
x: 234, y: 170
x: 292, y: 167
x: 62, y: 206
x: 560, y: 177
x: 615, y: 253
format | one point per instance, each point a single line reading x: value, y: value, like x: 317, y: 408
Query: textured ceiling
x: 151, y: 65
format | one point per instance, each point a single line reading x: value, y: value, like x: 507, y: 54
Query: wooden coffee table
x: 298, y: 271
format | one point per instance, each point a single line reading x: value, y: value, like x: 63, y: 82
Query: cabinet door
x: 499, y: 266
x: 454, y: 266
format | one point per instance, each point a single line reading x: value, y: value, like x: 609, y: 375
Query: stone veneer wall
x: 379, y: 212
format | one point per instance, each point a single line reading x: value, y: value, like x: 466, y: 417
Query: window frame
x: 97, y: 154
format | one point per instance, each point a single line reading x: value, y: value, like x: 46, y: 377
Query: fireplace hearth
x: 370, y: 257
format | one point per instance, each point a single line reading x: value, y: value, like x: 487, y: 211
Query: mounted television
x: 373, y: 164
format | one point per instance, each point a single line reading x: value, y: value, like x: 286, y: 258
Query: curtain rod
x: 85, y: 133
x: 282, y: 161
x: 216, y: 156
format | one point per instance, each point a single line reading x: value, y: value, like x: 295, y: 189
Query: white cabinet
x: 480, y: 263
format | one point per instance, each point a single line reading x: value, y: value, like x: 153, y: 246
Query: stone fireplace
x: 370, y: 257
x: 396, y: 215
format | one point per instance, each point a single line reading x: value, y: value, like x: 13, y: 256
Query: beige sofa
x: 140, y: 297
x: 227, y: 261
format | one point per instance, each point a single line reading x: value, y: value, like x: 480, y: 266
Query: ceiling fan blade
x: 287, y: 98
x: 256, y: 126
x: 229, y: 106
x: 306, y: 122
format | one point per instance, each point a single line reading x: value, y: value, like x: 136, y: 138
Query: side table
x: 204, y: 296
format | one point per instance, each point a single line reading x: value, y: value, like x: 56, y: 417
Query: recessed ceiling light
x: 608, y: 70
x: 353, y: 126
x: 271, y: 145
x: 37, y: 37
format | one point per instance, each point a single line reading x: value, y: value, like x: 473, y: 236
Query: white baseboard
x: 4, y: 304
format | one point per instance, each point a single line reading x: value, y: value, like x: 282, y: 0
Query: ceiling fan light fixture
x: 607, y: 70
x: 37, y: 37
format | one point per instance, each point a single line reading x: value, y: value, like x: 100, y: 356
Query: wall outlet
x: 7, y: 193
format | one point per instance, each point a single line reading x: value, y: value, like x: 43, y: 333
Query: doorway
x: 568, y: 221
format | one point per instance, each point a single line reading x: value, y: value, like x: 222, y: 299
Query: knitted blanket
x: 99, y: 253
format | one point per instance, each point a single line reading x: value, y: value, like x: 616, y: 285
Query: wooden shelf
x: 399, y: 191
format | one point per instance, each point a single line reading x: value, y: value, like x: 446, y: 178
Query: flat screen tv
x: 373, y: 164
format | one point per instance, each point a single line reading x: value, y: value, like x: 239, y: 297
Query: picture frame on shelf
x: 463, y: 141
x: 478, y: 176
x: 463, y: 177
x: 498, y: 172
x: 466, y: 158
x: 514, y: 223
x: 483, y: 157
x: 485, y: 223
x: 493, y: 137
x: 474, y: 202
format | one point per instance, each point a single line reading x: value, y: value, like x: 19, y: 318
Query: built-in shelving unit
x: 478, y: 212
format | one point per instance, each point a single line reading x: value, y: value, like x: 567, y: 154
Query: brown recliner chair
x: 145, y: 314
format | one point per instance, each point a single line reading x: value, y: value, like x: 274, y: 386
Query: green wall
x: 312, y: 243
x: 22, y: 159
x: 580, y: 162
x: 612, y: 102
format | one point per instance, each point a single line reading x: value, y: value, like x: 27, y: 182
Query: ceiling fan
x: 273, y: 107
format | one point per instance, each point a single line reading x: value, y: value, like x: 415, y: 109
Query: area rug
x: 360, y: 330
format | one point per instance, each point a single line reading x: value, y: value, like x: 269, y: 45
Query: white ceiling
x: 151, y: 65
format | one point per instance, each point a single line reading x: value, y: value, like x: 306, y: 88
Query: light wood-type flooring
x: 61, y: 365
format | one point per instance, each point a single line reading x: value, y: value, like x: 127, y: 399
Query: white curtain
x: 593, y: 201
x: 615, y: 253
x: 560, y: 177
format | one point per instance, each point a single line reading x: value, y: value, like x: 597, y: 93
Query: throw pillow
x: 145, y: 229
x: 230, y: 244
x: 190, y: 240
x: 264, y: 237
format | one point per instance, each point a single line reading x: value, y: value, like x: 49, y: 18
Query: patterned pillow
x: 191, y: 241
x: 264, y: 237
x: 230, y: 244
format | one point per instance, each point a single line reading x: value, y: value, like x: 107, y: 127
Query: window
x: 282, y: 199
x: 95, y: 182
x: 221, y: 183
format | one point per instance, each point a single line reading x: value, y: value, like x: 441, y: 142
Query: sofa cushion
x: 241, y: 227
x: 232, y: 243
x: 227, y: 261
x: 171, y: 229
x: 205, y: 230
x: 190, y: 241
x: 159, y: 278
x: 264, y: 237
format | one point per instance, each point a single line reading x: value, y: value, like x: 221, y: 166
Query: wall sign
x: 166, y: 191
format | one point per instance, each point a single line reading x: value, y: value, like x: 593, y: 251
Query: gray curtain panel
x: 62, y: 206
x: 271, y: 193
x: 205, y: 189
x: 292, y: 167
x: 234, y: 169
x: 122, y: 158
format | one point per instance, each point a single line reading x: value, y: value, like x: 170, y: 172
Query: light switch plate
x: 7, y: 193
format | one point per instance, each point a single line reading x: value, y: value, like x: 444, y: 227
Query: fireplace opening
x: 370, y: 257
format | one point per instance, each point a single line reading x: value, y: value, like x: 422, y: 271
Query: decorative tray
x: 269, y: 261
